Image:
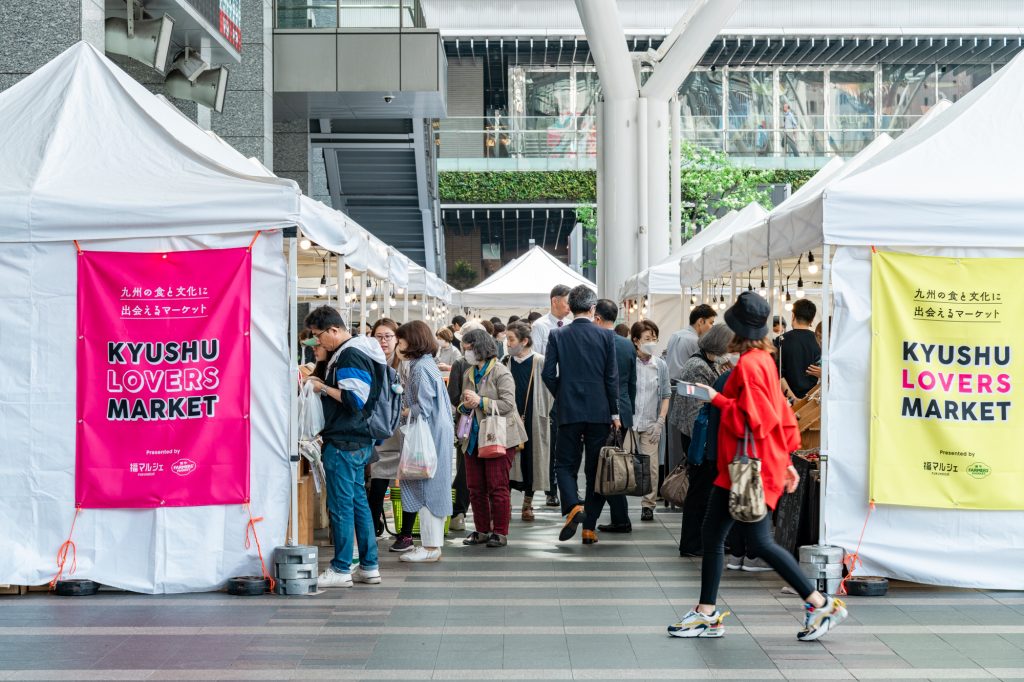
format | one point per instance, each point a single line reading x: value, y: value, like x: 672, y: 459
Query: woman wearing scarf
x: 531, y: 469
x: 488, y: 387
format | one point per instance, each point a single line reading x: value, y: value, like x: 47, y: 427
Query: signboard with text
x: 224, y: 15
x: 944, y: 418
x: 163, y: 378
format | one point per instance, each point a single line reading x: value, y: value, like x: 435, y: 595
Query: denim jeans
x: 348, y: 507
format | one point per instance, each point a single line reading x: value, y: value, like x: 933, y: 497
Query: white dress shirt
x: 542, y: 328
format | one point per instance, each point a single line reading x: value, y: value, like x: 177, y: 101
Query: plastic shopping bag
x: 419, y: 457
x: 311, y: 413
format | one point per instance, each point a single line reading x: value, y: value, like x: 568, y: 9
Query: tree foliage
x: 462, y: 275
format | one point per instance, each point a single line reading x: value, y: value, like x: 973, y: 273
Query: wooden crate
x: 307, y: 515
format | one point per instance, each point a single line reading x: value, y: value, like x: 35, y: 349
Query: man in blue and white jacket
x: 356, y: 374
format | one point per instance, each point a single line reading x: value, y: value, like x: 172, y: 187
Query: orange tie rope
x: 251, y: 527
x: 78, y: 247
x: 852, y: 561
x: 253, y: 242
x: 873, y: 249
x: 62, y: 553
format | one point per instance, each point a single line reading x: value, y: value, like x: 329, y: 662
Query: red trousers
x: 489, y: 493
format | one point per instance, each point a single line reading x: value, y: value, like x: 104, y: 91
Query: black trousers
x: 375, y: 496
x: 461, y: 504
x: 580, y: 443
x: 758, y: 539
x: 702, y: 479
x: 552, y: 446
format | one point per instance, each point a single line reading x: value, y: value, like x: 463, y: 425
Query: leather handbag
x: 676, y: 486
x: 492, y: 439
x: 621, y: 471
x: 746, y: 495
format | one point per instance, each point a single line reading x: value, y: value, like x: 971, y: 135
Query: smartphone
x: 688, y: 390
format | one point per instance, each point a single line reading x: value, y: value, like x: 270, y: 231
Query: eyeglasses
x: 384, y: 337
x: 320, y: 333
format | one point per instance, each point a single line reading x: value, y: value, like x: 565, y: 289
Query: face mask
x: 514, y: 351
x: 443, y: 345
x: 311, y: 343
x: 649, y: 348
x: 471, y: 357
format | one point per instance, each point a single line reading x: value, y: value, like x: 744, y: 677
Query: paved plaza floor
x: 535, y: 610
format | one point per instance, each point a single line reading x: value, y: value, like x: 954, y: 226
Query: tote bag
x: 746, y: 495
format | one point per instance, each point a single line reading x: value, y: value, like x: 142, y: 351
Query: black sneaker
x: 552, y: 501
x: 647, y: 514
x: 403, y: 543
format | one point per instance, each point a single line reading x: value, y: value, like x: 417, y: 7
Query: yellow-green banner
x: 946, y: 430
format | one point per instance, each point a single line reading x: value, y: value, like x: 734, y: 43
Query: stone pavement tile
x: 648, y: 615
x: 591, y: 615
x: 475, y: 615
x: 971, y: 644
x: 411, y: 652
x: 533, y: 615
x: 601, y: 651
x: 483, y: 652
x: 535, y: 652
x: 416, y: 615
x: 662, y: 651
x: 871, y: 661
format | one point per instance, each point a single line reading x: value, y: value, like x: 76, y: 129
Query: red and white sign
x: 163, y: 379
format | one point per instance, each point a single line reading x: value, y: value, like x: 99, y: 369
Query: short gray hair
x: 582, y: 299
x: 716, y: 340
x: 483, y: 344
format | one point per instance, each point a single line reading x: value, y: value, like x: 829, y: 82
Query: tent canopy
x: 525, y: 282
x: 90, y: 153
x: 701, y: 265
x: 954, y: 182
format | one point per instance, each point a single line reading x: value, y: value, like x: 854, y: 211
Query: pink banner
x: 163, y: 378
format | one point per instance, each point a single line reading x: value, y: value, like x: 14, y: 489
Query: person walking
x: 681, y: 347
x: 580, y: 371
x: 650, y: 409
x: 385, y: 469
x: 447, y: 353
x: 425, y: 398
x: 752, y: 405
x: 533, y: 401
x: 605, y: 313
x: 354, y: 379
x: 558, y: 316
x: 703, y: 368
x: 489, y: 389
x: 455, y: 378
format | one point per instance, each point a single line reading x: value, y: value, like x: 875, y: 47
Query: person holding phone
x: 752, y: 401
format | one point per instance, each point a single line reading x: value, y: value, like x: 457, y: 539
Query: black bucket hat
x: 748, y: 317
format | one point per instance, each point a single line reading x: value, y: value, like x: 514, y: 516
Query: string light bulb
x: 322, y: 289
x: 348, y: 274
x: 304, y: 244
x: 812, y: 267
x: 373, y: 306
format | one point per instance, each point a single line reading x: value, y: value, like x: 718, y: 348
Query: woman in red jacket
x: 752, y: 399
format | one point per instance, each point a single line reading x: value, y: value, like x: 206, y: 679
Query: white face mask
x: 649, y: 348
x: 471, y: 357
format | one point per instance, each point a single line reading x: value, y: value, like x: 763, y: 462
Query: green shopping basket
x: 396, y: 508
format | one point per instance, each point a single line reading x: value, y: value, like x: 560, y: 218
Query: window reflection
x: 701, y: 107
x: 851, y: 123
x: 957, y: 81
x: 750, y: 112
x: 908, y: 92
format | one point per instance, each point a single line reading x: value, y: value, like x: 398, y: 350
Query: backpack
x: 699, y: 438
x: 387, y: 410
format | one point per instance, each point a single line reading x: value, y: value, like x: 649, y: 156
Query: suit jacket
x: 625, y: 360
x: 580, y: 371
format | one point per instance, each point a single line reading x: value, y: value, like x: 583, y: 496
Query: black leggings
x: 759, y: 542
x: 378, y: 488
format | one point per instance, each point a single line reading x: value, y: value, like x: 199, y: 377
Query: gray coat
x: 541, y: 429
x: 426, y: 397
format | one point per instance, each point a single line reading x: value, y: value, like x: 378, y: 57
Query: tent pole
x: 342, y: 300
x: 327, y: 277
x: 826, y: 320
x: 362, y: 303
x: 676, y: 224
x: 293, y: 422
x: 732, y: 289
x: 405, y: 306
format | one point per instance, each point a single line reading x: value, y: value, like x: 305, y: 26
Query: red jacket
x: 753, y: 397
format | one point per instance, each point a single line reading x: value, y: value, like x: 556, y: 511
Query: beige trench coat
x: 500, y: 387
x: 541, y: 429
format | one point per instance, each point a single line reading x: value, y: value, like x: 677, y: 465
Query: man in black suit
x: 580, y: 371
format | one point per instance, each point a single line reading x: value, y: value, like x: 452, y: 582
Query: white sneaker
x: 757, y: 565
x: 333, y: 578
x: 421, y: 556
x: 458, y: 522
x: 369, y: 576
x: 734, y: 563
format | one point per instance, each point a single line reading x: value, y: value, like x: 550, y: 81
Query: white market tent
x: 88, y: 153
x: 522, y: 284
x: 949, y: 189
x: 692, y: 268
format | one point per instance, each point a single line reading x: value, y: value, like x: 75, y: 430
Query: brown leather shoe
x: 527, y: 514
x: 589, y: 537
x: 572, y: 521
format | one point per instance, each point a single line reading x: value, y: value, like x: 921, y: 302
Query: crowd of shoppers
x: 525, y: 404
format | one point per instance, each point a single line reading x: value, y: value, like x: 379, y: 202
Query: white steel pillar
x: 643, y: 169
x: 675, y: 177
x: 658, y: 184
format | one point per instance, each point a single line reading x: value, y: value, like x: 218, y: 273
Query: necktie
x: 559, y: 323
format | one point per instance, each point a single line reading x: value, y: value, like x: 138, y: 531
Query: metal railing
x: 398, y: 14
x: 575, y: 137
